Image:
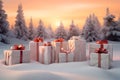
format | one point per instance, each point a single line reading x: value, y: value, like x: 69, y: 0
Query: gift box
x: 16, y: 56
x: 100, y: 60
x: 93, y: 46
x: 57, y: 49
x: 78, y: 48
x: 45, y: 54
x: 34, y: 49
x: 66, y: 57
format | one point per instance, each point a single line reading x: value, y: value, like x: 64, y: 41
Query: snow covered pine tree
x: 31, y: 33
x: 91, y: 29
x: 41, y: 30
x: 4, y: 25
x: 73, y: 30
x: 60, y: 32
x: 50, y: 32
x: 111, y: 29
x: 20, y: 26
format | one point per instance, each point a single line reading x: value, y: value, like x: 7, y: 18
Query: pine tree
x: 73, y: 30
x: 60, y: 32
x: 50, y: 32
x: 20, y: 26
x: 31, y: 30
x: 10, y: 33
x: 41, y: 30
x: 111, y: 28
x: 91, y: 29
x: 4, y: 25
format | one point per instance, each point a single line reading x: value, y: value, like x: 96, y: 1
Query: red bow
x: 102, y: 42
x: 38, y: 40
x: 101, y: 50
x: 18, y: 47
x: 47, y: 44
x: 59, y: 40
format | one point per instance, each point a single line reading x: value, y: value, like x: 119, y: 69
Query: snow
x: 61, y: 71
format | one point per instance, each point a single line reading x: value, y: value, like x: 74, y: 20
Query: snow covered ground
x: 61, y: 71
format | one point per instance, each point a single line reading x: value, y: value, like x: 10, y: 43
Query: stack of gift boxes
x: 100, y: 54
x: 59, y: 50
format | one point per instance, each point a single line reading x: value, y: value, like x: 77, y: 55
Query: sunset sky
x: 54, y: 11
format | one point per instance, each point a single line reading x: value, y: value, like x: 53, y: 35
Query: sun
x: 57, y: 23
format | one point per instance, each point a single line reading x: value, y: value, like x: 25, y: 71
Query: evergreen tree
x: 20, y: 26
x: 111, y: 28
x: 10, y: 33
x: 50, y: 32
x: 73, y: 30
x: 91, y: 29
x: 31, y: 30
x: 41, y: 30
x: 60, y: 32
x: 4, y: 25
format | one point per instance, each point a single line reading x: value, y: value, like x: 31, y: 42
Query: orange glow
x: 54, y: 11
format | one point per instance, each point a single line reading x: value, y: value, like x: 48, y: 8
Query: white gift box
x: 34, y: 50
x: 78, y: 48
x: 16, y: 56
x: 102, y: 62
x: 93, y: 46
x: 45, y: 54
x: 57, y: 48
x: 63, y: 57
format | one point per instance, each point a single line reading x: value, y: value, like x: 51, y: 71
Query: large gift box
x: 34, y: 49
x: 100, y: 60
x: 93, y: 46
x: 16, y: 56
x: 78, y: 47
x: 45, y: 54
x: 57, y: 45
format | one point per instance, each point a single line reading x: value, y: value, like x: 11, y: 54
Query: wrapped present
x: 34, y: 48
x: 16, y: 55
x: 101, y: 58
x: 105, y: 44
x: 79, y: 49
x: 57, y: 45
x: 45, y: 54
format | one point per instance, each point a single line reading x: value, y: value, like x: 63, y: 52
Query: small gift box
x: 78, y: 47
x: 16, y: 55
x: 34, y: 48
x: 46, y: 53
x: 98, y: 44
x: 57, y: 45
x: 100, y: 58
x: 66, y: 57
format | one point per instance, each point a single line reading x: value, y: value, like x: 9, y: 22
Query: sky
x: 52, y: 12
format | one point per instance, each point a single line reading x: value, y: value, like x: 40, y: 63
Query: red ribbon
x: 21, y: 56
x: 37, y: 51
x: 100, y: 51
